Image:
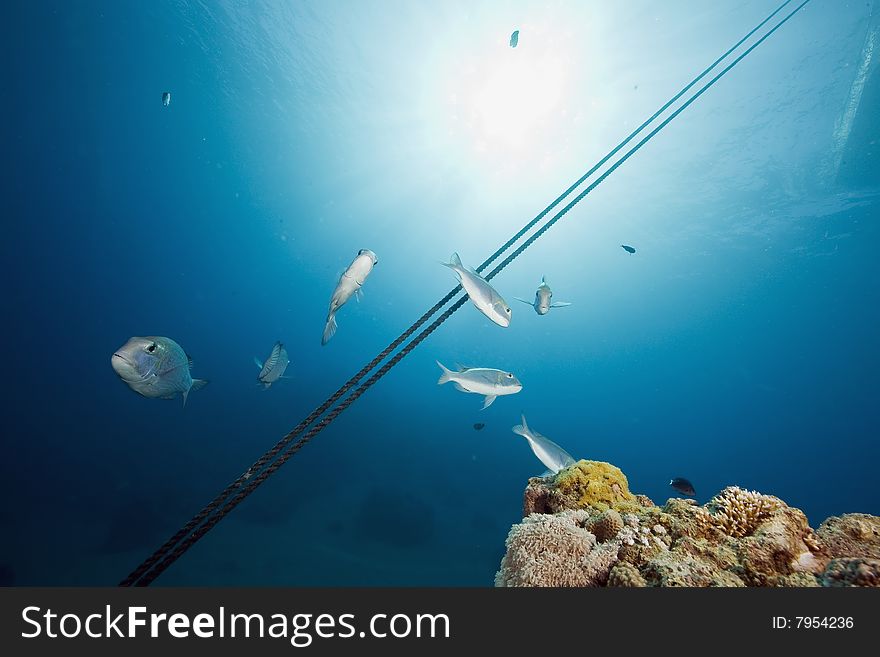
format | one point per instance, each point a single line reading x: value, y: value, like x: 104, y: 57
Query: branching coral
x: 738, y: 512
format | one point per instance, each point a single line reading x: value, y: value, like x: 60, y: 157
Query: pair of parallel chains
x: 282, y: 451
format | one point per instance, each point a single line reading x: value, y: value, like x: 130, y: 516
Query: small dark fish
x: 628, y: 249
x: 683, y: 486
x: 166, y: 98
x: 514, y: 38
x: 479, y: 425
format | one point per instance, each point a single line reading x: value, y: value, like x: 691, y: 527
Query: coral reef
x: 850, y: 535
x: 554, y: 550
x: 607, y: 525
x: 625, y: 574
x: 583, y: 527
x: 738, y: 512
x: 584, y: 485
x: 852, y: 572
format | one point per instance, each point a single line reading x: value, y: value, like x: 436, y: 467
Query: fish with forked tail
x: 484, y: 297
x: 349, y: 284
x: 481, y: 381
x: 548, y: 452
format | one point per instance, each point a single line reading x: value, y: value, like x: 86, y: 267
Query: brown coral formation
x: 850, y: 535
x: 607, y: 525
x: 852, y: 572
x: 625, y: 574
x: 585, y: 528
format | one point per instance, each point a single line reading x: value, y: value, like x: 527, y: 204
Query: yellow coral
x: 596, y: 484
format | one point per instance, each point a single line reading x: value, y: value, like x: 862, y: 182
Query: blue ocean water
x: 736, y: 346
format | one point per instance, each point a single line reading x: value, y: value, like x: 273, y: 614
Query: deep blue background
x: 737, y: 346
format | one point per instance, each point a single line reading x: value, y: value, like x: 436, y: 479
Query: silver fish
x: 481, y: 294
x: 349, y: 283
x: 482, y: 381
x: 543, y: 299
x: 166, y: 98
x: 273, y: 368
x: 548, y: 452
x: 155, y: 367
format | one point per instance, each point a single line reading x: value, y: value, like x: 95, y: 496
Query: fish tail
x: 446, y: 376
x: 329, y: 329
x: 521, y: 429
x: 258, y: 363
x: 454, y: 262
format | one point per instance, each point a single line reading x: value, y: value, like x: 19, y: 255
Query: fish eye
x: 507, y: 310
x: 509, y: 375
x: 152, y: 348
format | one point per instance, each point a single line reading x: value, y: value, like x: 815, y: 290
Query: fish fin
x: 530, y: 303
x: 258, y: 363
x: 197, y: 384
x: 519, y: 430
x: 329, y: 329
x: 445, y: 376
x: 547, y: 473
x: 487, y: 401
x: 462, y: 368
x: 544, y: 280
x: 459, y: 387
x: 189, y: 361
x: 358, y: 295
x: 560, y: 304
x: 455, y: 261
x: 525, y: 425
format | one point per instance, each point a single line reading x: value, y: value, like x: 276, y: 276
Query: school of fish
x: 158, y: 368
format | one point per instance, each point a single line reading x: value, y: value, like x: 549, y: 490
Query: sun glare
x: 515, y: 99
x: 509, y: 102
